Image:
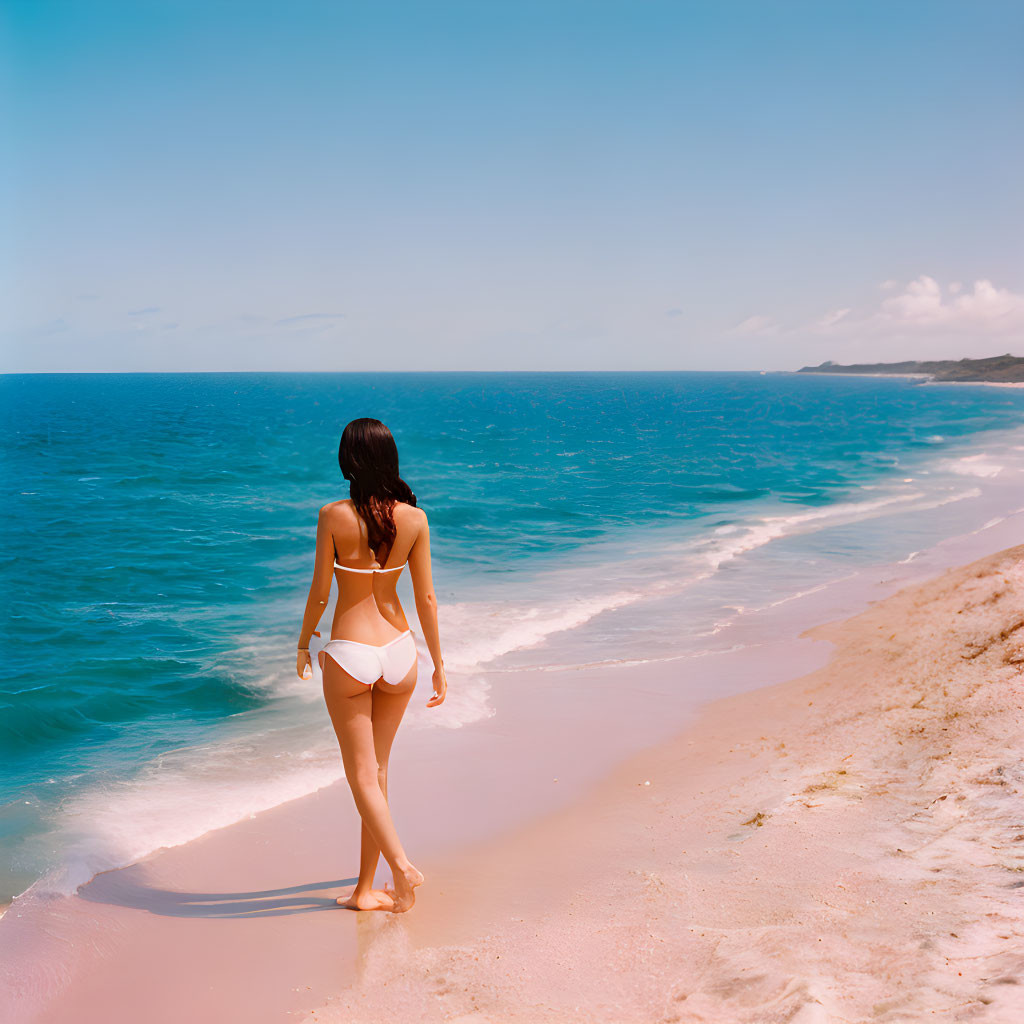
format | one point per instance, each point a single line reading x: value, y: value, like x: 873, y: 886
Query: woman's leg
x: 363, y: 898
x: 349, y: 704
x: 389, y: 704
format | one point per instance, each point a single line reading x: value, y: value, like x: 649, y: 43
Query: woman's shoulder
x: 402, y: 511
x: 340, y: 506
x: 412, y: 514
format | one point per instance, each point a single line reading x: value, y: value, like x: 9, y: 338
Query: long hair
x: 368, y: 457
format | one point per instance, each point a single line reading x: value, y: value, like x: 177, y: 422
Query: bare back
x: 368, y: 608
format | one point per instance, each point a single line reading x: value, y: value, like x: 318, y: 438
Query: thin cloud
x: 829, y: 320
x: 986, y: 309
x: 309, y: 316
x: 921, y: 307
x: 755, y: 326
x: 144, y: 311
x: 57, y: 326
x: 918, y: 307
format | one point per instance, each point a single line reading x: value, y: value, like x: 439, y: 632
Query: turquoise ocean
x: 159, y: 536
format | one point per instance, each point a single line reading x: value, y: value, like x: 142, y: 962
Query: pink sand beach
x: 838, y: 835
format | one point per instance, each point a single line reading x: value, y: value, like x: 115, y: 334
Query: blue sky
x: 509, y: 185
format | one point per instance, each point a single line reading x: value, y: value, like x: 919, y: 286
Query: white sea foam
x: 763, y: 530
x: 1000, y: 519
x: 769, y: 528
x: 482, y: 632
x: 973, y: 465
x: 177, y: 798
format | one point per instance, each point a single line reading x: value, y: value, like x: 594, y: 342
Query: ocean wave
x: 479, y: 633
x: 177, y: 798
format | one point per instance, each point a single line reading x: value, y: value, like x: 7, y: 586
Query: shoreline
x: 925, y: 378
x: 259, y: 884
x: 987, y: 383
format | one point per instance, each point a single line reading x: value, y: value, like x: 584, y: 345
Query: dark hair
x: 368, y: 457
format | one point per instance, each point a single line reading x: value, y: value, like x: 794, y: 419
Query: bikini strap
x: 352, y: 568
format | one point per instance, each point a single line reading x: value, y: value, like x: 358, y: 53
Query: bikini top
x: 349, y: 568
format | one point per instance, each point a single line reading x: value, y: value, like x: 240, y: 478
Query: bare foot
x: 375, y: 899
x: 402, y: 895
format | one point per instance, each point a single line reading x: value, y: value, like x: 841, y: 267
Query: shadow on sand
x: 127, y: 888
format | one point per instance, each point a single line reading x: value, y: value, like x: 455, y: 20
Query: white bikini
x: 369, y: 662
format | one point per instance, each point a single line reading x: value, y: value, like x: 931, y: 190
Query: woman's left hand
x: 304, y: 661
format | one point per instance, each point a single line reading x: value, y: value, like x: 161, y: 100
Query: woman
x: 369, y: 664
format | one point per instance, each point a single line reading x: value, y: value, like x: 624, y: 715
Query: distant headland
x: 994, y: 370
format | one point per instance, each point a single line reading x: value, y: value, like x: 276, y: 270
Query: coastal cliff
x: 1000, y: 369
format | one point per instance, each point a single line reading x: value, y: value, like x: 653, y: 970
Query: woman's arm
x: 426, y: 605
x: 320, y: 588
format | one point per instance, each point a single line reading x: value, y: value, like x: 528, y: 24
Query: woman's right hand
x: 440, y: 688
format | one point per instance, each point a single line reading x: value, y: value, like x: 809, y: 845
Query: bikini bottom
x: 368, y: 663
